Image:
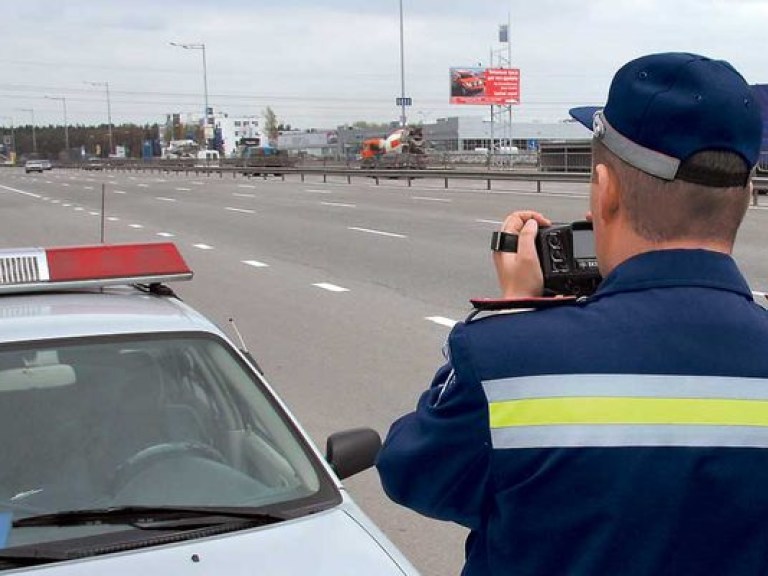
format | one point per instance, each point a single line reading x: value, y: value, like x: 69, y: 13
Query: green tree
x: 271, y: 126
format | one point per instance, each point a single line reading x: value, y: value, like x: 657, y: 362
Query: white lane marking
x: 431, y: 199
x: 119, y: 191
x: 65, y: 184
x: 316, y: 191
x: 113, y: 218
x: 241, y: 195
x: 88, y: 187
x: 495, y: 222
x: 20, y: 191
x: 164, y: 199
x: 132, y: 178
x: 442, y: 321
x: 48, y: 182
x: 94, y: 213
x: 377, y: 232
x: 183, y: 189
x: 165, y: 234
x: 137, y: 226
x: 255, y: 263
x: 55, y: 201
x: 330, y: 287
x: 160, y: 180
x: 203, y: 246
x: 243, y: 210
x: 198, y: 183
x: 66, y: 205
x: 143, y: 185
x: 246, y: 186
x: 339, y: 204
x: 78, y: 208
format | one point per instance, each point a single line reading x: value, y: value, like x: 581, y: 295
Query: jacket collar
x: 666, y: 268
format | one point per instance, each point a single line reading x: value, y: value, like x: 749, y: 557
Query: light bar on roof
x: 33, y: 269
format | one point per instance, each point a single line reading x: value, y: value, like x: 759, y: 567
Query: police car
x: 138, y: 439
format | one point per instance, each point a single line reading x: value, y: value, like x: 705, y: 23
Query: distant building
x: 232, y: 129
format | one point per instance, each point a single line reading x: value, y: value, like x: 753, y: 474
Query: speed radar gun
x: 566, y: 254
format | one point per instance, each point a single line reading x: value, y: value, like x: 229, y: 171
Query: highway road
x: 345, y: 293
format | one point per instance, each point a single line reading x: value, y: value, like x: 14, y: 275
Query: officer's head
x: 673, y: 152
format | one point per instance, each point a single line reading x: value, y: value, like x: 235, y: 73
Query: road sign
x: 403, y: 101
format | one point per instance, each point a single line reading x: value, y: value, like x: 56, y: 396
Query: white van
x: 207, y: 159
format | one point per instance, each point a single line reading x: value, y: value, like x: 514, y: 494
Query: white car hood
x: 328, y: 543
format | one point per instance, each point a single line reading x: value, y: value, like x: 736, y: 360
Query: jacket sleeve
x: 435, y: 460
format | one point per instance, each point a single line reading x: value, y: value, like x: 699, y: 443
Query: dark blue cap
x: 663, y: 108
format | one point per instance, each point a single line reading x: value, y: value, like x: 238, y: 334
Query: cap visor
x: 585, y: 115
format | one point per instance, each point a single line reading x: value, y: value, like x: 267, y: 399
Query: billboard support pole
x: 490, y: 147
x: 402, y: 70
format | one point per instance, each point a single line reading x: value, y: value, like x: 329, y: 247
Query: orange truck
x: 403, y: 148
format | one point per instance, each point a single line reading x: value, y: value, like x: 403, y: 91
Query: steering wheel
x: 150, y: 455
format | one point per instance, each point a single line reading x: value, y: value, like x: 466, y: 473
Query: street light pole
x: 63, y: 101
x: 109, y: 114
x: 402, y: 70
x: 200, y: 46
x: 34, y: 138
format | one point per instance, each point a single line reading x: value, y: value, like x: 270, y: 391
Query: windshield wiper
x: 152, y: 517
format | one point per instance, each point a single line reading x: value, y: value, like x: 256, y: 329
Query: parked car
x: 141, y: 440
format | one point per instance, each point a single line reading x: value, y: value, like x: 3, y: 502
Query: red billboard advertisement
x: 485, y: 86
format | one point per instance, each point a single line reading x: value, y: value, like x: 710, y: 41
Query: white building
x: 235, y: 128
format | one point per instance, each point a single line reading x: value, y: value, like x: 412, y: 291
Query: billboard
x: 485, y: 86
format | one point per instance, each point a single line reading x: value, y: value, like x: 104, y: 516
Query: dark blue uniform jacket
x: 627, y: 435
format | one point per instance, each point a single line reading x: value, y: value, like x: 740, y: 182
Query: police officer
x: 628, y: 434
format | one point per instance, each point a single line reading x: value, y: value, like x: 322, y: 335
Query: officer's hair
x: 662, y: 210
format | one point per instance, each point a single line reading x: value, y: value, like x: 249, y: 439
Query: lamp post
x: 200, y: 46
x: 402, y: 70
x: 34, y: 138
x: 109, y: 114
x: 63, y: 101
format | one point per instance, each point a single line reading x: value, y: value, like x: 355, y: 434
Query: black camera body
x: 567, y: 256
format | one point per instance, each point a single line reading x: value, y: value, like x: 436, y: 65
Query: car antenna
x: 243, y: 347
x: 103, y: 195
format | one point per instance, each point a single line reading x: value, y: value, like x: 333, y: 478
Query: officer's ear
x: 607, y: 192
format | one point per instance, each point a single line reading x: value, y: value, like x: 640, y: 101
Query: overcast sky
x: 322, y: 63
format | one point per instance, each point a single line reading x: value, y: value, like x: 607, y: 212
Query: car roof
x: 109, y: 311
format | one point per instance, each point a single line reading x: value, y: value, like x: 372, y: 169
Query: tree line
x: 90, y: 140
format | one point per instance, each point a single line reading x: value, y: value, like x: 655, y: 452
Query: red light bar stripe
x: 114, y: 261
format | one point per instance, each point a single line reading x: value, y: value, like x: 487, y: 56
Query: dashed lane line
x: 136, y: 226
x: 184, y: 189
x: 431, y: 199
x: 495, y: 222
x: 442, y: 321
x: 164, y: 199
x: 143, y: 185
x: 241, y: 195
x: 203, y: 246
x: 119, y: 191
x: 113, y: 219
x: 330, y: 287
x: 165, y: 234
x: 246, y: 186
x: 255, y: 263
x: 243, y: 210
x: 318, y: 191
x: 376, y: 232
x: 339, y: 204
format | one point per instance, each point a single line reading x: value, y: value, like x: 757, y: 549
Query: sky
x: 325, y: 63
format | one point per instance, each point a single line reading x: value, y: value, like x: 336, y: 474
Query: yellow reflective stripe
x: 602, y: 410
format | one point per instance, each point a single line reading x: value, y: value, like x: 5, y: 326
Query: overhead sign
x: 485, y: 86
x: 403, y: 102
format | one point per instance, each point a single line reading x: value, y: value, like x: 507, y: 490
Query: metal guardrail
x: 446, y: 174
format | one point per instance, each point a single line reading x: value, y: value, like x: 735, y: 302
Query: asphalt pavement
x: 343, y: 292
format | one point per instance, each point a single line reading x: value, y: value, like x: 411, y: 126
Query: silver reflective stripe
x: 645, y: 159
x: 625, y: 386
x: 609, y: 435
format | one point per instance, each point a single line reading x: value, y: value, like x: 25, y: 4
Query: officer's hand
x: 520, y: 273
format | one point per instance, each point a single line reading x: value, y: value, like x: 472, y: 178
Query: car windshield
x: 173, y: 421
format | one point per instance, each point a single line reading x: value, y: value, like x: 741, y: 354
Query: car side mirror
x: 352, y: 451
